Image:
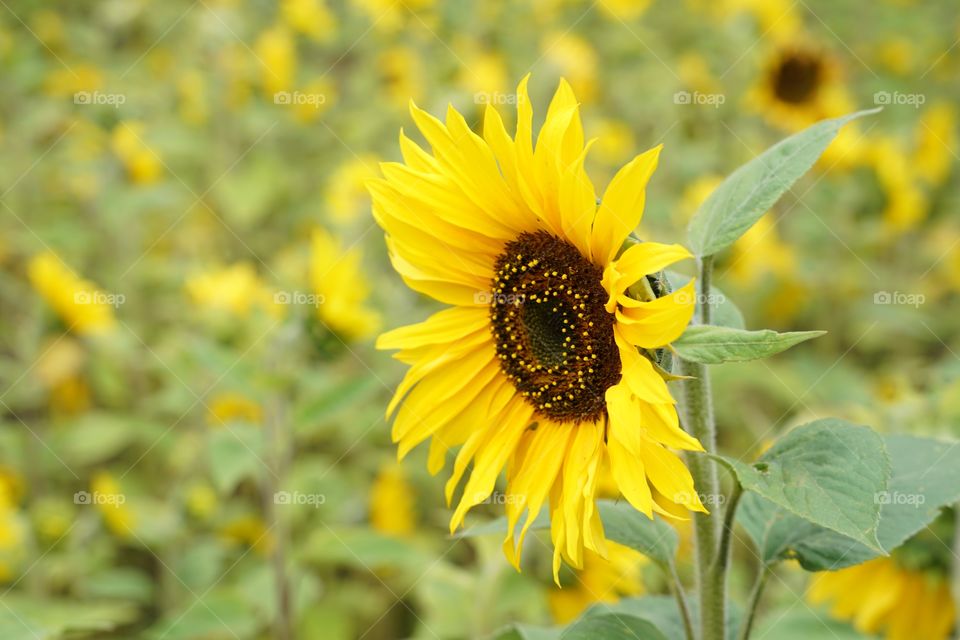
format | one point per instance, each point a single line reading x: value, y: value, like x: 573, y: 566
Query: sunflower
x: 542, y: 364
x: 600, y: 580
x: 799, y: 85
x: 903, y: 596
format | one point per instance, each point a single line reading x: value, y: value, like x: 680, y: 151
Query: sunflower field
x: 505, y: 320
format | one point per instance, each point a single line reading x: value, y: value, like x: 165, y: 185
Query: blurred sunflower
x: 885, y: 597
x: 937, y: 143
x: 81, y: 306
x: 392, y: 502
x: 799, y: 85
x: 536, y: 366
x: 601, y: 580
x: 341, y: 287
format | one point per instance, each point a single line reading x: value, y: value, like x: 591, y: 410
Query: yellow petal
x: 621, y: 209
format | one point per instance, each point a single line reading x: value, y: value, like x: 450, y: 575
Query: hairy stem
x: 681, y: 596
x: 755, y: 594
x: 698, y: 418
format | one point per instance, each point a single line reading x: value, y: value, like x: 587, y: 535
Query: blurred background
x: 192, y: 441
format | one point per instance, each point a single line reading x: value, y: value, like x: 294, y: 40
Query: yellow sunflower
x: 903, y: 596
x: 799, y: 85
x: 543, y: 362
x: 883, y: 597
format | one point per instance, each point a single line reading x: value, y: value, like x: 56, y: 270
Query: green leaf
x: 725, y: 312
x: 828, y: 472
x: 925, y: 477
x: 709, y: 344
x: 621, y: 523
x: 25, y: 618
x: 627, y: 526
x: 751, y: 190
x: 803, y: 623
x: 612, y: 626
x: 235, y: 452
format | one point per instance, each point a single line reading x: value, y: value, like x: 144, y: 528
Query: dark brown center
x: 554, y: 336
x: 797, y: 77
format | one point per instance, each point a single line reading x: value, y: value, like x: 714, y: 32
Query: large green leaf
x: 621, y: 523
x: 612, y: 626
x: 925, y: 478
x: 708, y: 344
x: 751, y: 190
x: 653, y: 538
x: 236, y: 453
x: 828, y: 472
x: 24, y: 618
x: 803, y: 623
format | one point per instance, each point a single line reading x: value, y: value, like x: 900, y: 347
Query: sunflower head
x: 543, y: 363
x: 799, y: 85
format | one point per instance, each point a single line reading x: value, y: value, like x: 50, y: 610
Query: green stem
x: 726, y: 533
x: 698, y: 418
x: 755, y: 595
x: 681, y: 595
